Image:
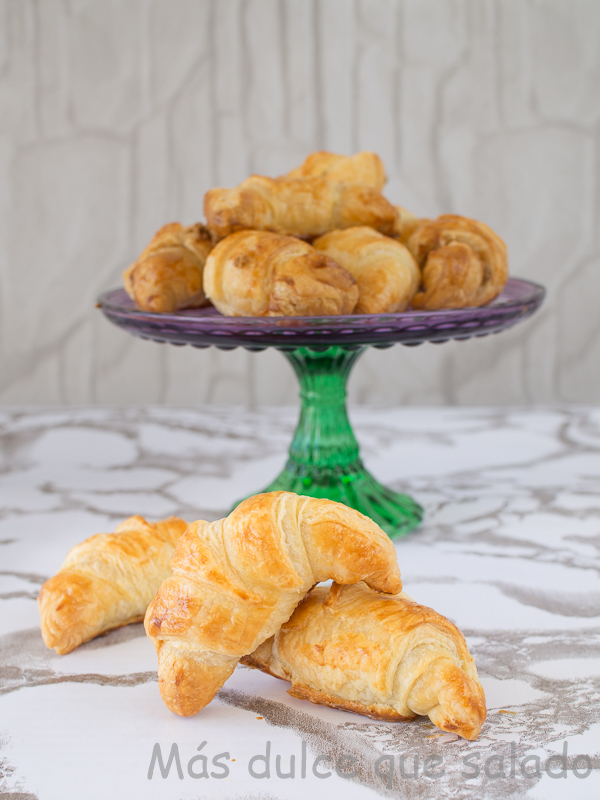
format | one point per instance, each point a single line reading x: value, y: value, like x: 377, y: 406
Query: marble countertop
x: 509, y: 550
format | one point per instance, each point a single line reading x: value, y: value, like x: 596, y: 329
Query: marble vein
x: 509, y: 550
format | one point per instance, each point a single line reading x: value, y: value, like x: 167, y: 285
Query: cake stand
x: 324, y: 458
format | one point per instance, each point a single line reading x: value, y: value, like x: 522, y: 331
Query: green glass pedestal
x: 324, y: 458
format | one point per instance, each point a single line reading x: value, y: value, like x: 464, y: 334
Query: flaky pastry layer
x: 167, y: 276
x: 303, y: 207
x: 462, y: 261
x: 365, y: 168
x: 255, y: 273
x: 107, y: 581
x: 385, y: 271
x: 237, y: 580
x: 386, y: 657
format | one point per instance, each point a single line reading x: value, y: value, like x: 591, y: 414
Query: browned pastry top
x: 365, y: 168
x: 229, y: 575
x: 107, y: 581
x: 237, y: 580
x: 384, y: 269
x: 384, y: 656
x: 167, y: 276
x: 463, y: 262
x: 303, y: 207
x: 256, y: 273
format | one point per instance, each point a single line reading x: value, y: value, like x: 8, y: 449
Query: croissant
x: 365, y: 168
x: 237, y: 580
x: 304, y: 207
x: 385, y: 271
x: 463, y: 262
x: 388, y: 658
x: 107, y: 581
x: 255, y: 273
x: 167, y: 276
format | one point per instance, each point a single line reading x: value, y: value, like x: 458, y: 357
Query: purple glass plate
x: 203, y: 327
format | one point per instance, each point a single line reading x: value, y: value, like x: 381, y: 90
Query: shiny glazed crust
x: 255, y: 273
x: 365, y: 168
x: 237, y: 580
x: 463, y: 262
x: 107, y: 581
x: 303, y: 207
x: 168, y: 274
x: 384, y: 269
x: 386, y: 657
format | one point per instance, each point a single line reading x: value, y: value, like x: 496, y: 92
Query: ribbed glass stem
x: 324, y: 459
x: 324, y: 438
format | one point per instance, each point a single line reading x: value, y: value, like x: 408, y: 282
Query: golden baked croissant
x: 304, y: 207
x: 388, y: 658
x: 255, y: 273
x: 384, y: 269
x: 167, y: 276
x: 237, y: 580
x: 107, y: 581
x: 365, y: 168
x: 463, y: 262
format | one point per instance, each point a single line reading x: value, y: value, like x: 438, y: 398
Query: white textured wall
x: 117, y: 115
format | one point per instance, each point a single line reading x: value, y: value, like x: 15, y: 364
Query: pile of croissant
x: 321, y: 240
x: 244, y: 588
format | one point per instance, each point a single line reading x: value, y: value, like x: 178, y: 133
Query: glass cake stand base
x: 324, y: 457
